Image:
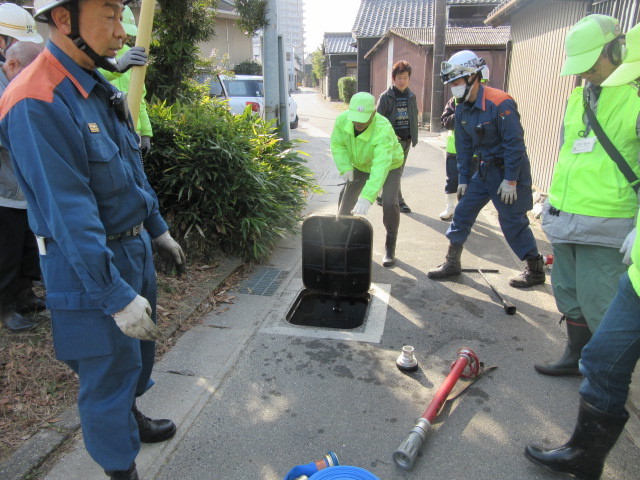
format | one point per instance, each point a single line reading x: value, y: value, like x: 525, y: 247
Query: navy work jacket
x: 490, y: 128
x: 80, y: 168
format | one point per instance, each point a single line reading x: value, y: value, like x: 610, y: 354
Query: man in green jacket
x: 126, y: 58
x: 366, y: 151
x: 610, y: 357
x: 591, y: 207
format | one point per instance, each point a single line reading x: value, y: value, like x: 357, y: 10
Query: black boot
x: 578, y: 335
x: 131, y: 474
x: 27, y: 301
x: 389, y: 250
x: 153, y: 431
x: 451, y: 266
x: 595, y: 434
x: 533, y: 274
x: 11, y: 319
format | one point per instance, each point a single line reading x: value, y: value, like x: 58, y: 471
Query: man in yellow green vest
x: 592, y: 206
x: 369, y: 157
x: 610, y: 357
x: 128, y: 57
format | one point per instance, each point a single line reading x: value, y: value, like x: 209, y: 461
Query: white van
x: 243, y: 90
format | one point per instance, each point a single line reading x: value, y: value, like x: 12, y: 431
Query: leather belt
x: 132, y: 232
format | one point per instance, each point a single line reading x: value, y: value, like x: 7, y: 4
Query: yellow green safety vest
x: 634, y: 269
x: 591, y: 183
x: 451, y: 142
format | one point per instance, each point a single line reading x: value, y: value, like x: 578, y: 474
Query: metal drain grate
x: 264, y: 282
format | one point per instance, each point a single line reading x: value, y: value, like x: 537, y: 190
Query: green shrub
x: 248, y: 67
x: 346, y: 88
x: 225, y: 180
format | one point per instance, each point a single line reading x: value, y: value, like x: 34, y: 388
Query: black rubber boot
x: 578, y: 335
x: 390, y: 250
x: 452, y: 265
x: 533, y: 274
x: 27, y: 301
x: 131, y: 474
x: 595, y: 434
x: 153, y: 431
x: 11, y: 319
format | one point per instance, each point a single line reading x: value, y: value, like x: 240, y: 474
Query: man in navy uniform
x: 77, y: 159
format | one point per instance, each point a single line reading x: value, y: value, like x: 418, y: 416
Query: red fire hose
x: 466, y: 365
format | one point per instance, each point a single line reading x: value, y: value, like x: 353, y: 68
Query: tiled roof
x: 376, y: 17
x: 466, y: 36
x: 473, y: 2
x: 338, y: 42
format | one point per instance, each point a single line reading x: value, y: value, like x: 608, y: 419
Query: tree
x: 253, y: 15
x: 178, y: 26
x: 318, y: 62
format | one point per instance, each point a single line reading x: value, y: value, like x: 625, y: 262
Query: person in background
x: 451, y: 165
x: 18, y: 252
x: 398, y: 104
x: 610, y: 357
x: 96, y: 219
x: 590, y: 212
x: 128, y: 57
x: 16, y: 25
x: 487, y: 125
x: 366, y: 151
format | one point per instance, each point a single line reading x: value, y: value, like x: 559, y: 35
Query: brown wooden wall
x: 538, y: 33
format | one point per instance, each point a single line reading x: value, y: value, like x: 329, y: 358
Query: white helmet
x: 43, y: 7
x: 462, y: 64
x: 17, y: 23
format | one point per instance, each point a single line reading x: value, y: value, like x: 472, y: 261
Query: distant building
x: 376, y: 17
x: 341, y: 61
x: 228, y: 40
x: 291, y: 27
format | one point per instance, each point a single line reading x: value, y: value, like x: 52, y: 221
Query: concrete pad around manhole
x: 371, y: 330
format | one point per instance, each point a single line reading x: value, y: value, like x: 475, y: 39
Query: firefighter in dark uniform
x: 487, y: 125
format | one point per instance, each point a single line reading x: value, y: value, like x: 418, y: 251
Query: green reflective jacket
x: 121, y: 82
x: 375, y: 151
x: 591, y: 183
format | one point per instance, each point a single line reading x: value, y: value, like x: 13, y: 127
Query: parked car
x: 243, y: 90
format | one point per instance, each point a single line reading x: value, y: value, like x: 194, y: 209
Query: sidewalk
x: 253, y: 395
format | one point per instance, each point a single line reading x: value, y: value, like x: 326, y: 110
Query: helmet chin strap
x: 469, y: 84
x: 106, y: 63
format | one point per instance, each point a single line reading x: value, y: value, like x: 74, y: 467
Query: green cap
x: 129, y: 22
x: 585, y: 41
x: 630, y: 68
x: 361, y: 106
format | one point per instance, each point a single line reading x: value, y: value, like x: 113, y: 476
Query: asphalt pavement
x: 254, y: 395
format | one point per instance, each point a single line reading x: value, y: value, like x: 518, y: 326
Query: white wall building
x: 291, y: 27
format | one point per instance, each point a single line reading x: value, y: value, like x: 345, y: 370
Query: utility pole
x: 270, y: 69
x: 437, y: 88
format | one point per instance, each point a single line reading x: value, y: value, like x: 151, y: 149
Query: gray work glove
x: 135, y: 57
x: 135, y: 320
x: 462, y: 189
x: 507, y: 191
x: 347, y: 176
x: 170, y: 252
x: 627, y: 246
x: 145, y: 144
x: 362, y: 207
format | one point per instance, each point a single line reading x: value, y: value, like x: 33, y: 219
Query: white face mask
x: 458, y: 91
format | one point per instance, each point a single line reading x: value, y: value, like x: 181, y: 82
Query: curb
x: 34, y: 452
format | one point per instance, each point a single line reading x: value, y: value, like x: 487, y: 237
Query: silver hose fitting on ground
x: 406, y: 453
